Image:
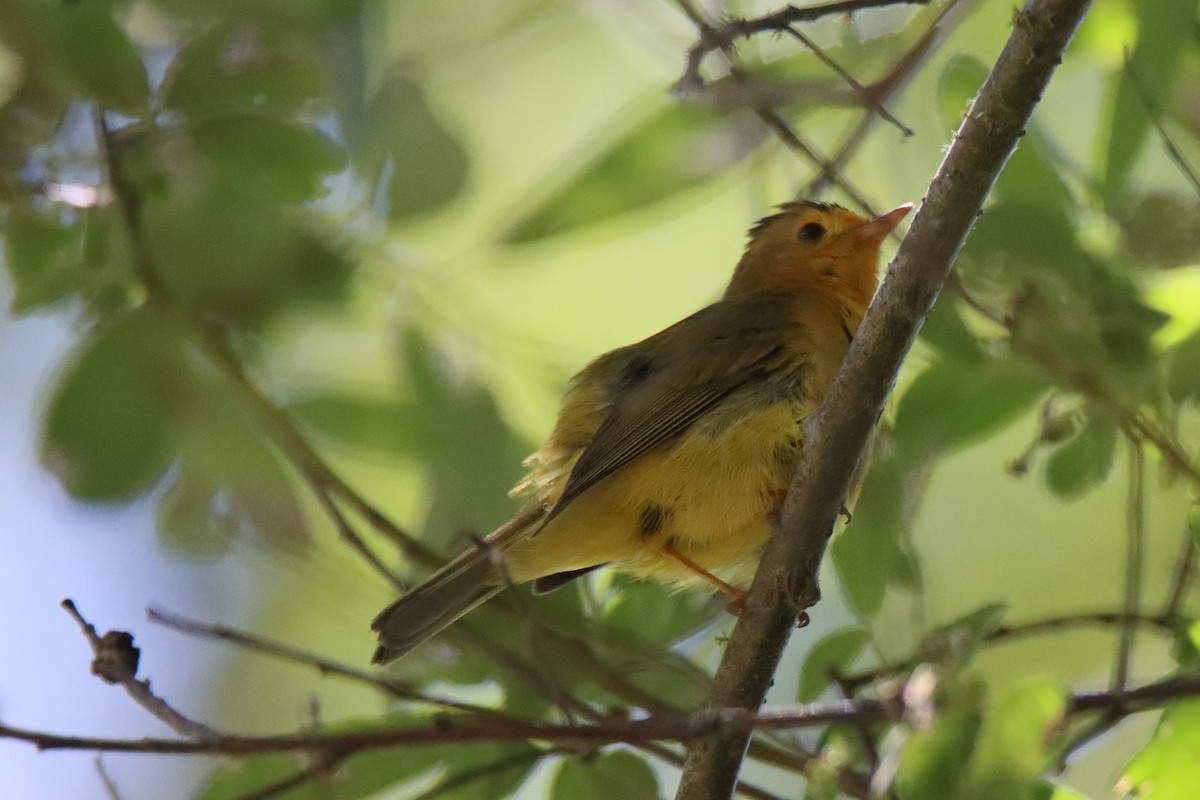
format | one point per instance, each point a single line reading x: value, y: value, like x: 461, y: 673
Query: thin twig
x: 697, y: 726
x: 1172, y: 150
x: 110, y: 786
x: 1134, y: 555
x: 870, y: 100
x: 115, y: 660
x: 1181, y: 580
x: 679, y: 728
x: 457, y: 780
x: 259, y: 644
x: 722, y: 37
x: 856, y: 681
x: 1088, y: 733
x: 827, y: 169
x: 884, y: 89
x: 319, y: 768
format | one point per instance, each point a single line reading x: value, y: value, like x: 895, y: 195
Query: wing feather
x: 678, y: 388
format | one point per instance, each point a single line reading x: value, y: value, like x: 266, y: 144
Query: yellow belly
x: 716, y: 485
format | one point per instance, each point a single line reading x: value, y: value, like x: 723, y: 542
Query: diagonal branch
x: 786, y: 582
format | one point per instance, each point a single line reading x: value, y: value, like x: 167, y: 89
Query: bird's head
x: 818, y: 247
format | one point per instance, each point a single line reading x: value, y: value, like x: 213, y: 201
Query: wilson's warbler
x: 670, y: 456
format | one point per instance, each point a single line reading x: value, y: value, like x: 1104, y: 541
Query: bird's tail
x: 433, y: 606
x: 466, y: 582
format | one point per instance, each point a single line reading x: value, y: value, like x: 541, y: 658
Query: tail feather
x: 466, y: 582
x: 434, y: 605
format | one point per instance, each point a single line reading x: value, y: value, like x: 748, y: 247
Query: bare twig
x: 828, y: 171
x: 870, y: 99
x: 457, y: 780
x: 697, y: 726
x: 1134, y: 554
x: 115, y: 661
x: 111, y: 789
x: 320, y: 767
x: 786, y: 581
x: 891, y: 84
x: 680, y: 728
x: 397, y: 689
x: 1181, y: 580
x: 855, y: 681
x: 1169, y: 147
x: 722, y: 37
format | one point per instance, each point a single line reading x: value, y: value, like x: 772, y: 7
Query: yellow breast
x: 708, y: 494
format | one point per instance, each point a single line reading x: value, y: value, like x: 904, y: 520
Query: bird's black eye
x: 811, y: 232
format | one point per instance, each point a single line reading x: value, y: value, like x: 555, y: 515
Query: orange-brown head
x: 818, y: 247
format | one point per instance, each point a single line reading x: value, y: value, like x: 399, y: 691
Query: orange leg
x: 776, y: 497
x: 738, y: 596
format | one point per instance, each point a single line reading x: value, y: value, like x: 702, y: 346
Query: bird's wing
x: 674, y: 378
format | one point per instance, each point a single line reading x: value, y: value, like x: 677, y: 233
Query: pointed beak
x: 884, y: 224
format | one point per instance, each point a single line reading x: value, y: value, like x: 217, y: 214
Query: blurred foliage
x: 227, y: 195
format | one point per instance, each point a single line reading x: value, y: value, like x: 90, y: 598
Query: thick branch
x: 786, y: 582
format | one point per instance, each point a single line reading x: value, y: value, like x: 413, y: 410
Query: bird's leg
x: 738, y: 596
x: 775, y: 510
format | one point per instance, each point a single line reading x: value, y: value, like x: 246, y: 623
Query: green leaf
x: 192, y: 521
x: 267, y: 156
x: 653, y: 613
x: 1163, y: 37
x: 951, y: 405
x: 932, y: 759
x: 957, y: 640
x: 93, y: 50
x: 865, y: 551
x: 239, y: 258
x: 1017, y: 243
x: 1045, y: 790
x: 957, y: 86
x: 376, y: 425
x: 675, y: 148
x: 1160, y: 229
x: 837, y: 650
x: 1183, y: 376
x: 402, y: 140
x: 483, y: 773
x: 106, y: 434
x: 244, y: 68
x: 239, y: 778
x: 42, y: 250
x: 471, y: 456
x: 947, y: 332
x: 1014, y: 745
x: 612, y: 774
x: 1193, y: 523
x: 1084, y: 461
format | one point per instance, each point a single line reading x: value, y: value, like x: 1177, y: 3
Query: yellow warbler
x: 670, y: 456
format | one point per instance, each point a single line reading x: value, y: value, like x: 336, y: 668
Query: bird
x: 671, y: 457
